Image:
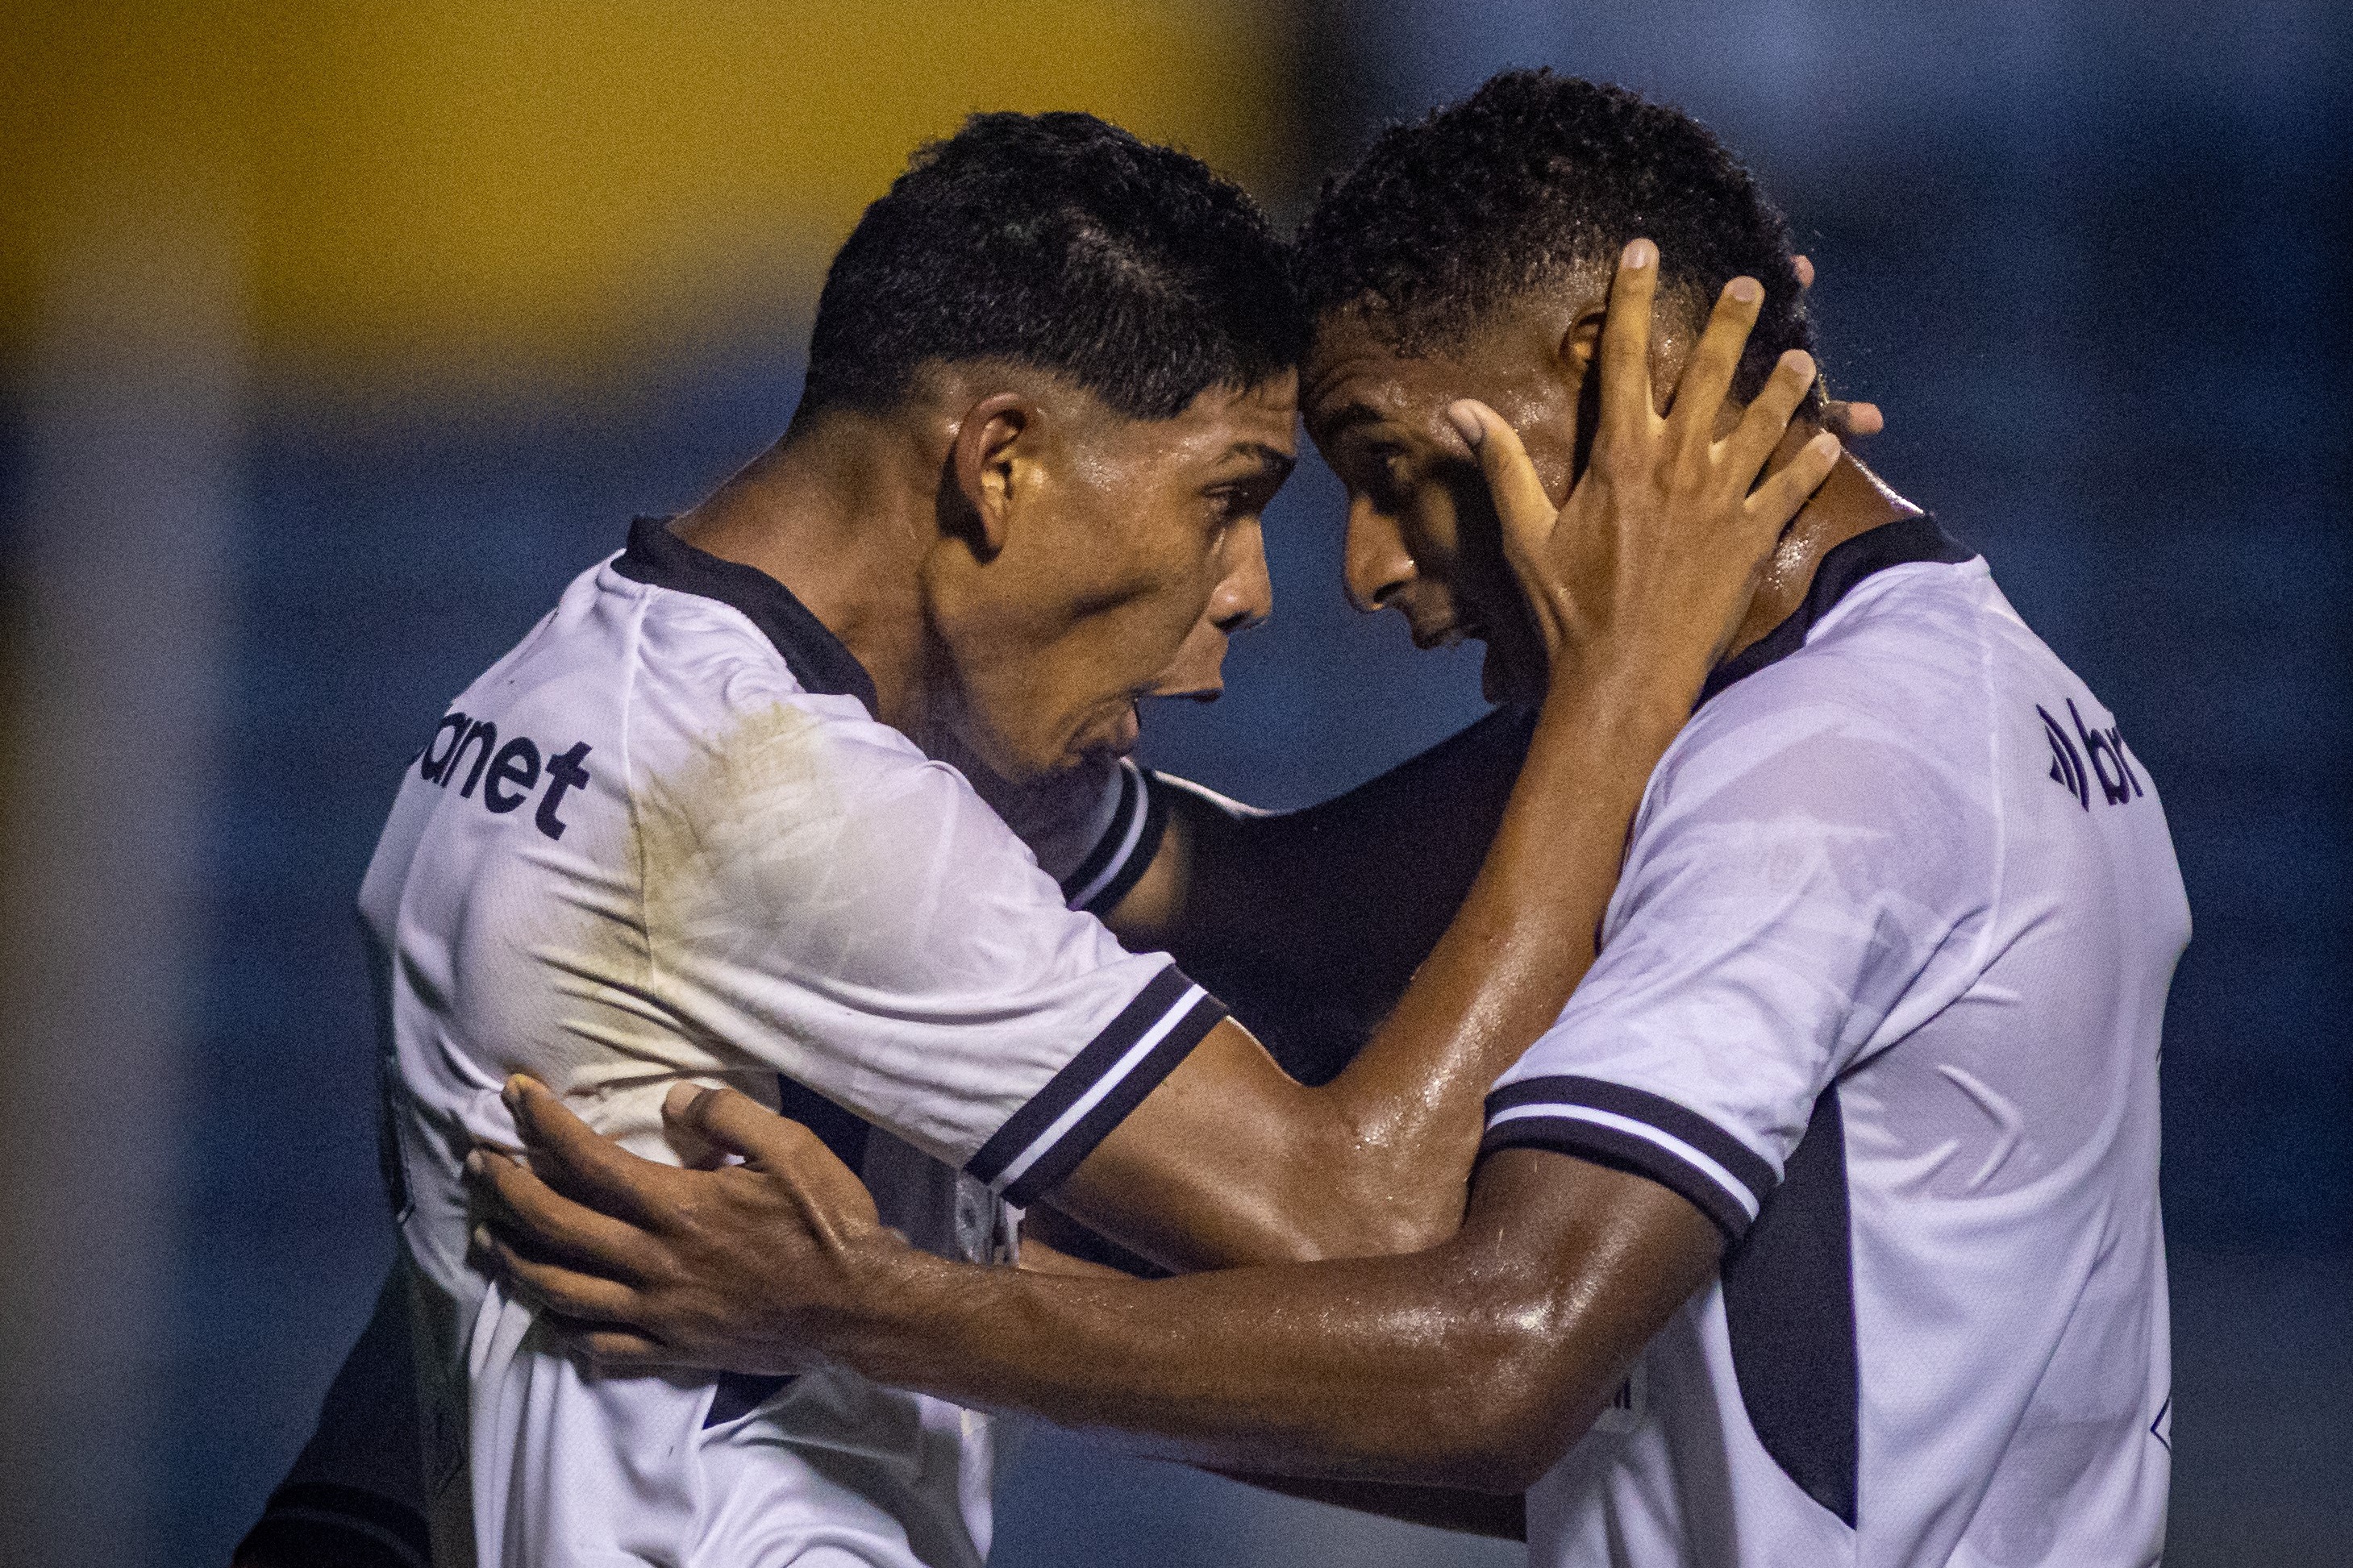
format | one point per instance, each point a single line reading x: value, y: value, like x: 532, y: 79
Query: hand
x: 741, y: 1268
x: 1847, y: 421
x: 1658, y: 551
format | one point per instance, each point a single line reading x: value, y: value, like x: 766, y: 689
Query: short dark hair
x: 1447, y: 220
x: 1064, y: 243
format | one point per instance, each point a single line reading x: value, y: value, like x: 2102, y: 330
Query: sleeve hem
x: 1045, y: 1140
x: 1634, y: 1129
x: 1622, y: 1151
x: 1124, y: 851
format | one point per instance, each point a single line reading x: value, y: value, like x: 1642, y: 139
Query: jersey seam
x: 632, y: 660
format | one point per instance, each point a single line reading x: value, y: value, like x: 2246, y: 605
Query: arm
x: 1635, y: 583
x: 1311, y: 923
x: 1472, y: 1366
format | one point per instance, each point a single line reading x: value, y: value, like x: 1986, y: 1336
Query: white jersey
x: 665, y: 840
x: 1881, y: 990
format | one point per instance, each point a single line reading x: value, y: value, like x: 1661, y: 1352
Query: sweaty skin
x: 1376, y: 1161
x: 1257, y: 906
x: 1471, y: 1364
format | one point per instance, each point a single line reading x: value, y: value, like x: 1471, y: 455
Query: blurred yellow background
x: 544, y: 180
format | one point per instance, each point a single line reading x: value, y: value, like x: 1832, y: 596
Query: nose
x: 1375, y: 562
x: 1244, y: 596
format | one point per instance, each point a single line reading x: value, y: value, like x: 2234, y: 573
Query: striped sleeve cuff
x: 1044, y: 1141
x: 1129, y: 842
x: 1632, y: 1130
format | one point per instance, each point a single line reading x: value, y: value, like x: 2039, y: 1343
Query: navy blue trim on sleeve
x: 1633, y: 1129
x: 1124, y: 852
x: 1044, y: 1142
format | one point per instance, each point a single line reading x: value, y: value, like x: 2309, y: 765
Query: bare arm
x: 1471, y: 1366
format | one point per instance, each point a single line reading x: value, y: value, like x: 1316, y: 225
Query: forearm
x: 1472, y: 1366
x: 1345, y: 1379
x: 1408, y: 1107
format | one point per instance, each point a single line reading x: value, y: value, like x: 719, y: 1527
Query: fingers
x: 826, y: 1190
x: 612, y: 1349
x: 1788, y: 489
x: 576, y: 1162
x: 1852, y: 421
x: 1708, y: 379
x: 1805, y: 270
x: 1512, y: 483
x: 1752, y: 441
x: 726, y: 1120
x: 550, y: 1285
x: 528, y: 1212
x: 1626, y: 343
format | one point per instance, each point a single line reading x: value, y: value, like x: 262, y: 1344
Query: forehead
x: 1266, y: 415
x: 1355, y: 377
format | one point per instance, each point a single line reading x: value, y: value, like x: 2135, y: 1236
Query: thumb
x: 719, y: 1121
x: 726, y: 1120
x: 1526, y: 511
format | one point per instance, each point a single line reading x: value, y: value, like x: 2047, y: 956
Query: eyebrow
x: 1274, y: 457
x: 1354, y: 414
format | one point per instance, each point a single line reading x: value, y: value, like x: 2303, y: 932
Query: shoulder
x: 1877, y: 737
x: 1895, y: 676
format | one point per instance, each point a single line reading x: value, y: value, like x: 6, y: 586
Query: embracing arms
x: 1472, y: 1364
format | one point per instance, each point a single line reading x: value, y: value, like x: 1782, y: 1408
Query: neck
x: 841, y: 515
x: 1852, y: 500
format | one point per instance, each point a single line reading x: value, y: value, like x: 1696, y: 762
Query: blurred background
x: 336, y: 339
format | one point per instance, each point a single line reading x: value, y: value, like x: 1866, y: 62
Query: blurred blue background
x: 2089, y: 258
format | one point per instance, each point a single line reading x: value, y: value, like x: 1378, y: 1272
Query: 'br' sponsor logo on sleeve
x: 506, y: 773
x: 2103, y: 748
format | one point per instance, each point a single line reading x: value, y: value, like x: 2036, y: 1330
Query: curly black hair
x: 1064, y: 243
x: 1534, y: 176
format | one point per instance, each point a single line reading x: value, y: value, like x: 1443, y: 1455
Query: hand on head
x: 1668, y: 527
x: 736, y: 1267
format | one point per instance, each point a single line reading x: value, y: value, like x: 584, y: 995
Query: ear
x: 1580, y: 346
x: 989, y: 442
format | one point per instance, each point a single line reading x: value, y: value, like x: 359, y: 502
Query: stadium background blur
x: 336, y: 339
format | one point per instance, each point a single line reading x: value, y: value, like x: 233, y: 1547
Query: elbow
x: 1343, y: 1221
x: 1502, y: 1413
x: 1502, y: 1444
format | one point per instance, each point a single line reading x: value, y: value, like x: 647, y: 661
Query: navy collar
x: 1897, y: 544
x: 814, y: 656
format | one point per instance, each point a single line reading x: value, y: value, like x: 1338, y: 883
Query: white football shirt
x: 665, y: 840
x: 1881, y: 990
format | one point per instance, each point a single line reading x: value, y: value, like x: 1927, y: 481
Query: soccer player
x: 1821, y: 1225
x: 694, y: 828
